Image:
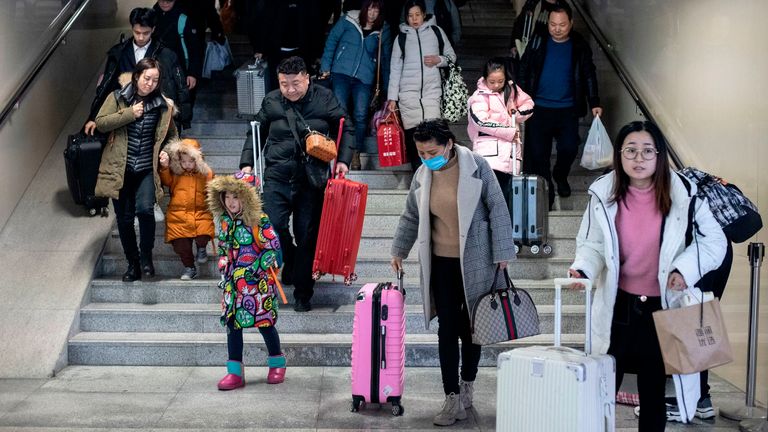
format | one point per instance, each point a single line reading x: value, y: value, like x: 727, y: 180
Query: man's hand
x: 90, y: 127
x: 258, y: 56
x: 138, y: 110
x: 247, y: 169
x: 191, y: 82
x: 341, y: 168
x: 597, y: 112
x: 164, y: 159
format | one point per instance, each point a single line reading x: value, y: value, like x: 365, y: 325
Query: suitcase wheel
x: 547, y: 249
x: 92, y: 212
x: 356, y: 404
x: 397, y: 410
x: 349, y: 279
x: 316, y: 275
x: 517, y: 249
x: 535, y: 249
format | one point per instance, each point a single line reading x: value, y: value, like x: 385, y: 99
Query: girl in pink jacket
x: 495, y: 109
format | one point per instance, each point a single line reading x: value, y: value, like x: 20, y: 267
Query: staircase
x: 172, y: 322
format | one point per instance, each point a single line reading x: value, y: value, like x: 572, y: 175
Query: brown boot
x: 355, y: 164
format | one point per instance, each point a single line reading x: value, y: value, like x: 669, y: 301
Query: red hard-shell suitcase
x: 391, y: 141
x: 378, y: 346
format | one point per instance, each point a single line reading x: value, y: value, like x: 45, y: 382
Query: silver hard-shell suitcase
x: 529, y: 210
x: 250, y: 79
x: 554, y: 388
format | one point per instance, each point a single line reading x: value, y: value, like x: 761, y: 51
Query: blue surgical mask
x: 437, y: 162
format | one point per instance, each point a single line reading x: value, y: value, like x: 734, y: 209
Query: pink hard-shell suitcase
x: 378, y: 346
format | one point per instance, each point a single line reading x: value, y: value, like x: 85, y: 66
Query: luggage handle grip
x: 383, y: 347
x: 559, y: 283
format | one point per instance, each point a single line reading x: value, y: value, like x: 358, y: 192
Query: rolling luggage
x: 378, y: 346
x: 529, y: 208
x: 250, y: 80
x: 81, y: 159
x: 553, y: 389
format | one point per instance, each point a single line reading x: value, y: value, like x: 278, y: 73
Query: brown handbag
x: 320, y: 146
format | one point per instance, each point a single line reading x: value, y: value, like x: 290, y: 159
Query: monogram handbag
x: 504, y: 314
x: 320, y: 146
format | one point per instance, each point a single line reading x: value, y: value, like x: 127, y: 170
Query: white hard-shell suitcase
x: 555, y: 388
x: 251, y: 87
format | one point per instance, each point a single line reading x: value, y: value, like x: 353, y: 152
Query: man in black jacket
x: 557, y: 70
x: 178, y: 33
x: 123, y: 57
x: 284, y: 117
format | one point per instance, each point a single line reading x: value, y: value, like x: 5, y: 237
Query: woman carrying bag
x: 456, y: 214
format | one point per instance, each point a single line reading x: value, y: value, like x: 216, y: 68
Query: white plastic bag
x: 598, y: 151
x: 217, y: 57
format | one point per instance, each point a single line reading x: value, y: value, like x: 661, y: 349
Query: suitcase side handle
x: 559, y: 283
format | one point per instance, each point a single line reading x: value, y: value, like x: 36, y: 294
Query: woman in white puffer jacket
x: 415, y: 84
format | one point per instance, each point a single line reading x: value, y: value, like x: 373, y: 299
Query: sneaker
x: 202, y: 255
x: 189, y: 273
x: 704, y: 410
x: 466, y: 391
x: 452, y: 411
x: 636, y: 410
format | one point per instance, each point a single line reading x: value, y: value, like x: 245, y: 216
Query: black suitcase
x: 529, y: 208
x: 82, y: 158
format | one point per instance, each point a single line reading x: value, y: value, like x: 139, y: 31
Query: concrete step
x: 204, y: 318
x: 210, y: 349
x: 367, y: 267
x: 327, y: 292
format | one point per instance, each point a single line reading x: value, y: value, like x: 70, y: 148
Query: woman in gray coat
x: 456, y: 213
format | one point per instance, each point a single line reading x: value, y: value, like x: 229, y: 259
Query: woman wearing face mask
x: 139, y: 119
x: 456, y: 212
x: 415, y: 83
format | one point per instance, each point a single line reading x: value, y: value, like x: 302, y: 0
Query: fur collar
x: 251, y: 213
x: 191, y: 148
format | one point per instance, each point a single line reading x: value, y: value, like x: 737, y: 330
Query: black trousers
x: 235, y: 341
x: 503, y: 179
x: 136, y: 199
x: 546, y: 124
x: 453, y: 318
x: 281, y: 200
x: 635, y: 346
x: 410, y: 149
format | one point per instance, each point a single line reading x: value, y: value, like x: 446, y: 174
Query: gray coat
x: 485, y: 229
x: 417, y: 88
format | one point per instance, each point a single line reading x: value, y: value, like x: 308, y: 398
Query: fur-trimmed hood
x: 190, y: 147
x: 251, y: 213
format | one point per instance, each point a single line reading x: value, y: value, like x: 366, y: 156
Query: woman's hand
x: 89, y: 127
x: 676, y: 282
x: 164, y: 160
x: 576, y: 275
x: 324, y: 75
x: 138, y: 110
x: 503, y: 265
x: 392, y: 105
x: 432, y: 60
x: 397, y: 264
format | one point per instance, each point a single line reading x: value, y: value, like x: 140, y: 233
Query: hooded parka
x: 597, y: 255
x: 187, y: 215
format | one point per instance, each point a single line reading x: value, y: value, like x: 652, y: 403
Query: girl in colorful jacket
x: 185, y: 173
x: 496, y: 109
x: 249, y: 256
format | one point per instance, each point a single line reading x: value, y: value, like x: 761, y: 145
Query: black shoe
x: 563, y: 188
x: 147, y: 267
x: 302, y: 306
x: 133, y: 273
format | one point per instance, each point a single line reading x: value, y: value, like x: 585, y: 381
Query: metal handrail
x: 622, y: 73
x: 43, y: 57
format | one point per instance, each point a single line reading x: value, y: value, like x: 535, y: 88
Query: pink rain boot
x: 235, y: 377
x: 276, y: 365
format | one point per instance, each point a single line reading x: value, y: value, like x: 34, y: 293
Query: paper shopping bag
x: 693, y: 338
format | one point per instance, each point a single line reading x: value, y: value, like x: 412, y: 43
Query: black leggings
x: 453, y: 318
x: 235, y: 341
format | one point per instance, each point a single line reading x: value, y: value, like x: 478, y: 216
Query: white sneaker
x: 466, y: 391
x: 452, y: 411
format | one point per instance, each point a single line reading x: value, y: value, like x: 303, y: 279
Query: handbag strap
x: 509, y: 284
x: 290, y: 115
x: 378, y: 62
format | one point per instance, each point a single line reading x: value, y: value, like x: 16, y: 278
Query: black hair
x: 141, y: 66
x: 563, y: 7
x: 417, y: 3
x: 145, y: 17
x: 367, y: 4
x: 292, y: 65
x: 436, y: 129
x: 661, y: 178
x: 499, y: 63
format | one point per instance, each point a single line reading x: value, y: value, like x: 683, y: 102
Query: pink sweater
x: 638, y: 223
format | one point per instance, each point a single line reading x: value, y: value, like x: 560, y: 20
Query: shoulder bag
x: 316, y: 171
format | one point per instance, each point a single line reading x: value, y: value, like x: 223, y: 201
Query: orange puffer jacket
x: 187, y: 215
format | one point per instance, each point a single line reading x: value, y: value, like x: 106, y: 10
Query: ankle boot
x: 235, y: 376
x: 134, y: 271
x: 146, y: 265
x: 276, y: 373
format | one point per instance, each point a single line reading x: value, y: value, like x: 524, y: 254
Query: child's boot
x: 276, y: 373
x: 235, y: 376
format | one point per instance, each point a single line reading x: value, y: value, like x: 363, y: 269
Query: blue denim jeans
x: 346, y: 87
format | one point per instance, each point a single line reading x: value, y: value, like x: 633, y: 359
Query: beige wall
x: 701, y: 68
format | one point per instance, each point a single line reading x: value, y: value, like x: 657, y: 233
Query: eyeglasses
x: 647, y: 153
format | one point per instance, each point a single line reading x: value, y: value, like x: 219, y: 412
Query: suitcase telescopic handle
x: 258, y: 165
x: 400, y: 277
x: 559, y: 283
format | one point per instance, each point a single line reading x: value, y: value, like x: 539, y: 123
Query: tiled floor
x: 185, y: 398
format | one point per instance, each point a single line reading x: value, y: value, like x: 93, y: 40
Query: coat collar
x: 682, y: 188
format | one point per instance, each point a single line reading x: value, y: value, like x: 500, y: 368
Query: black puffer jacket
x: 321, y: 111
x: 584, y: 77
x: 120, y: 59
